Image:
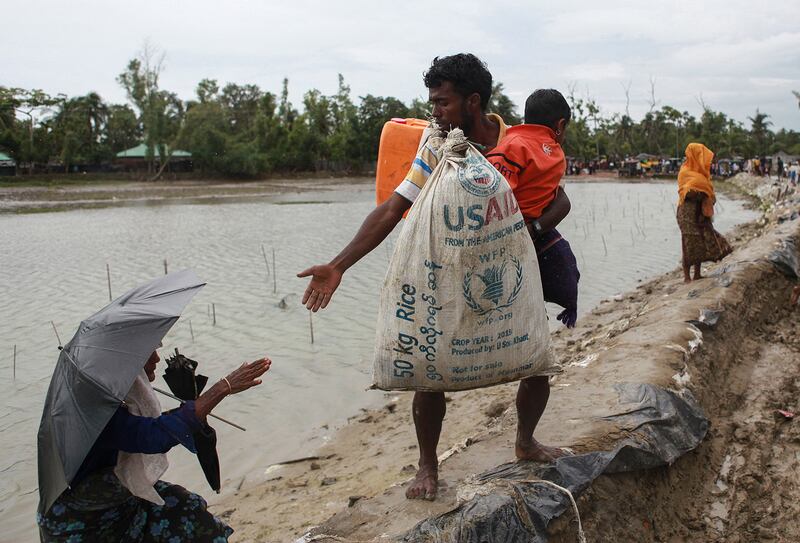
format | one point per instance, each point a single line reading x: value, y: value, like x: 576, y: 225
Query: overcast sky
x: 733, y: 55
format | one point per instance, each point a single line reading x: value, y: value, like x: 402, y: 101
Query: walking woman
x: 700, y: 242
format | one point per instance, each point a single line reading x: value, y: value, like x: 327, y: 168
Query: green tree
x: 9, y: 129
x: 419, y: 109
x: 673, y: 118
x: 578, y: 142
x: 270, y: 135
x: 759, y: 131
x: 79, y: 127
x: 241, y: 104
x: 207, y: 90
x: 373, y: 112
x: 343, y: 142
x: 160, y: 112
x: 501, y: 104
x: 593, y: 114
x: 140, y: 81
x: 205, y: 136
x: 786, y: 140
x: 311, y: 131
x: 286, y: 113
x: 25, y: 142
x: 122, y: 130
x: 713, y: 132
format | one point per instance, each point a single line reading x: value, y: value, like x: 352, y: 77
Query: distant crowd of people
x: 790, y: 171
x: 636, y: 167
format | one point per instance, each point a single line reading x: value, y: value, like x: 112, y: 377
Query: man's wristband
x: 536, y: 229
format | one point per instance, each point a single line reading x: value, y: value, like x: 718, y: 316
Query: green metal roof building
x: 8, y: 165
x: 135, y: 159
x: 140, y: 151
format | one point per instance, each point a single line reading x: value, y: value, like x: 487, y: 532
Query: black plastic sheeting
x: 786, y: 258
x: 509, y: 506
x: 708, y: 318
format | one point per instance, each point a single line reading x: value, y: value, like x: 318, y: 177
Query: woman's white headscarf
x: 137, y: 471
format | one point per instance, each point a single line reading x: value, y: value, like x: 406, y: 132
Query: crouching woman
x: 117, y: 495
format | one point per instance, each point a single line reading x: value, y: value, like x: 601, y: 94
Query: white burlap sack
x: 461, y: 305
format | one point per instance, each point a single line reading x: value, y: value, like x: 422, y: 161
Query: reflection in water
x: 54, y: 268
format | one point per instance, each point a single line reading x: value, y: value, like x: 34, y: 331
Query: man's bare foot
x: 537, y: 452
x: 424, y: 485
x: 687, y: 279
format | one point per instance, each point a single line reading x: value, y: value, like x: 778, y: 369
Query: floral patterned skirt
x: 101, y: 509
x: 701, y: 242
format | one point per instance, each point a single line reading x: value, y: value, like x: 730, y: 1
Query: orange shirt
x: 532, y: 161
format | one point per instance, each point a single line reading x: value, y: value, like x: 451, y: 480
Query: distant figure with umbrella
x: 102, y: 439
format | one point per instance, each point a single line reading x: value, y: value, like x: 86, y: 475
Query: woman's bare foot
x: 537, y: 452
x: 424, y: 485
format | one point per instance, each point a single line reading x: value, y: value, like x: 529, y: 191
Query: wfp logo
x: 478, y: 177
x: 493, y: 284
x: 547, y: 149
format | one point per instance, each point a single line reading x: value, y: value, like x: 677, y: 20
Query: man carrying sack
x: 476, y: 293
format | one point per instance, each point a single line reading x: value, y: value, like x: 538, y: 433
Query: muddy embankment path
x: 679, y: 385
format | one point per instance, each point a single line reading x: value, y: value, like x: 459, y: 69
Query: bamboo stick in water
x: 266, y: 264
x: 274, y: 274
x: 108, y: 277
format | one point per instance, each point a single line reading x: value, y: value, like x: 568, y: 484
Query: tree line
x: 243, y: 131
x: 666, y: 131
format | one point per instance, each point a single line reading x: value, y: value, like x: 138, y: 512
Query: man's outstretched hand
x: 325, y: 280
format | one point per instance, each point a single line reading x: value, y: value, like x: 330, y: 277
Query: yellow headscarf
x: 695, y: 175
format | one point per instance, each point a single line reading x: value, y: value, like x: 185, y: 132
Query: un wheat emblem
x: 493, y: 287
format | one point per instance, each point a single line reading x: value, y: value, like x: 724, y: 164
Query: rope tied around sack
x: 456, y: 143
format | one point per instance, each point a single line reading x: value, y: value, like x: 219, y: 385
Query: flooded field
x: 54, y: 269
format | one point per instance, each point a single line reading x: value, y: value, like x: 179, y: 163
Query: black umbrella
x: 187, y: 385
x: 181, y: 378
